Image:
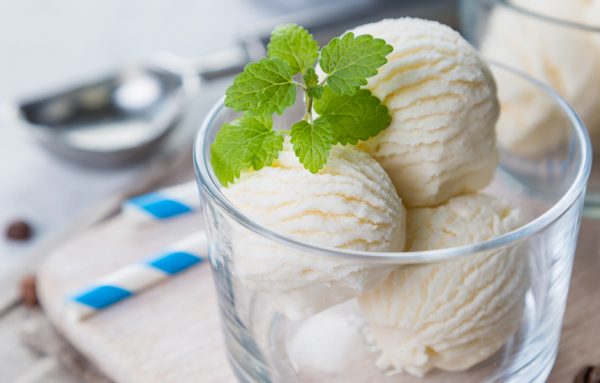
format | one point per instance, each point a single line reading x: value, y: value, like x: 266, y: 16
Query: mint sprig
x: 346, y: 113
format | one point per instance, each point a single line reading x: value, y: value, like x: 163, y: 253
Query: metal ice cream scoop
x: 124, y: 116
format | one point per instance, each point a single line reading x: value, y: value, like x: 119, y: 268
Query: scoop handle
x: 222, y: 63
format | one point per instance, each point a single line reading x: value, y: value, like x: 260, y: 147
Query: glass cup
x: 564, y: 53
x: 336, y: 344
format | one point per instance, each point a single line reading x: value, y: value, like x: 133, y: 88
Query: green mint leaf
x: 315, y: 92
x: 264, y: 144
x: 227, y: 156
x: 295, y: 45
x: 247, y: 142
x: 312, y: 143
x: 352, y: 118
x: 265, y: 86
x: 311, y: 80
x: 350, y: 60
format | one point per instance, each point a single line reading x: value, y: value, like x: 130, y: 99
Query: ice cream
x: 565, y: 57
x: 439, y: 150
x: 350, y: 204
x: 442, y: 97
x: 569, y: 10
x: 454, y: 314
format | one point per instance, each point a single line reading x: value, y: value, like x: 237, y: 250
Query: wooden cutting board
x: 171, y: 333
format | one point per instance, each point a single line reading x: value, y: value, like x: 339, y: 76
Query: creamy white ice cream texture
x: 442, y: 98
x: 454, y: 314
x: 350, y: 204
x: 568, y: 10
x: 566, y: 58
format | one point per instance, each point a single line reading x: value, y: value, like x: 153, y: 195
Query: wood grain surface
x: 172, y: 333
x: 168, y: 334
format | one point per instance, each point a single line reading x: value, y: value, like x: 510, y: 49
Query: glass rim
x: 211, y: 187
x: 507, y: 4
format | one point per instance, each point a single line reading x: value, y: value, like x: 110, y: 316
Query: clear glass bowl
x: 562, y: 53
x: 334, y: 345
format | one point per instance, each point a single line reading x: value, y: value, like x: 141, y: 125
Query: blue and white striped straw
x: 137, y: 277
x: 163, y: 204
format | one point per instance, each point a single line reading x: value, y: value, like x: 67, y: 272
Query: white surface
x: 50, y: 43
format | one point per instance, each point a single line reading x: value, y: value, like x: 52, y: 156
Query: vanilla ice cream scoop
x: 564, y: 57
x: 442, y: 98
x: 350, y: 204
x: 454, y: 314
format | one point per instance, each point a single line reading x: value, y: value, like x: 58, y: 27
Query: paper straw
x: 135, y: 278
x: 163, y: 204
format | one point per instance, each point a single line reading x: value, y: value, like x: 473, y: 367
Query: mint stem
x: 309, y: 101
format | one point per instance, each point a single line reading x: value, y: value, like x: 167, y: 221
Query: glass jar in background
x: 336, y: 344
x: 557, y: 42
